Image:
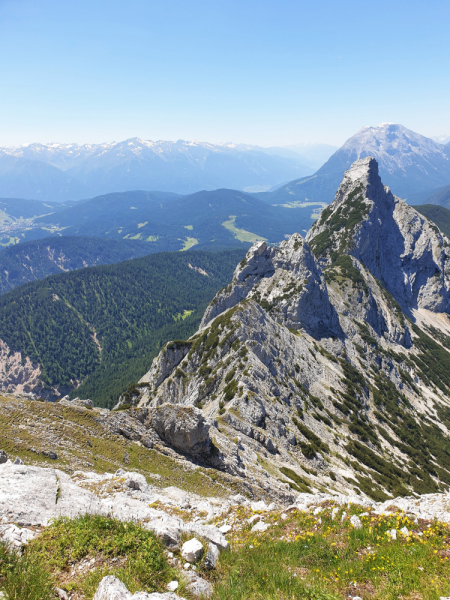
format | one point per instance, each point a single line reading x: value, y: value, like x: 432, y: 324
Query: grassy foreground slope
x: 102, y: 326
x: 324, y: 554
x: 300, y: 556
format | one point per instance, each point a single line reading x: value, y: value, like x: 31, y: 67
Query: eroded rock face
x: 18, y: 374
x: 286, y: 280
x: 183, y: 427
x: 399, y: 246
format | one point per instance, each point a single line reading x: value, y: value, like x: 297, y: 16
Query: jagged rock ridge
x: 399, y: 246
x: 311, y: 371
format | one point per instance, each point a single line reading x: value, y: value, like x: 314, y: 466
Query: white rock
x: 405, y: 531
x: 344, y: 514
x: 155, y: 596
x: 260, y: 527
x: 237, y: 499
x: 254, y: 518
x: 393, y: 534
x: 192, y: 550
x: 259, y: 506
x: 172, y: 586
x: 356, y: 522
x: 225, y: 529
x: 334, y: 512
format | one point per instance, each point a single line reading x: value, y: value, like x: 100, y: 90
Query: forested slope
x: 37, y: 259
x: 103, y: 325
x: 437, y: 214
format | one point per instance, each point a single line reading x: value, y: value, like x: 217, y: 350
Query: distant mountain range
x: 61, y: 172
x: 409, y: 163
x: 442, y: 139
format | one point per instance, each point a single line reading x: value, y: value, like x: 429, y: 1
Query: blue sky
x: 262, y: 72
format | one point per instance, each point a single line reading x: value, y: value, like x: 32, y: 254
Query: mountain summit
x: 408, y: 162
x: 307, y: 368
x: 399, y: 246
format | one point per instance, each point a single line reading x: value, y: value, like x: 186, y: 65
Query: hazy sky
x: 264, y: 72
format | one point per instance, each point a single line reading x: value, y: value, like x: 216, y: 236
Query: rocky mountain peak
x: 399, y: 246
x: 306, y: 367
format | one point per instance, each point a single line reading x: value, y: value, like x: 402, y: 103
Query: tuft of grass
x: 24, y: 577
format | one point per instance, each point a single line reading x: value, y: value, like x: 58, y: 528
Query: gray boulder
x: 208, y: 532
x: 3, y: 457
x: 111, y: 588
x: 198, y: 586
x: 212, y: 556
x: 86, y: 403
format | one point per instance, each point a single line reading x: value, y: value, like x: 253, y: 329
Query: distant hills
x: 31, y: 261
x: 61, y: 172
x: 100, y: 327
x: 409, y: 163
x: 166, y: 221
x: 440, y: 196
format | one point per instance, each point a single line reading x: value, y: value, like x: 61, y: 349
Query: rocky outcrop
x: 183, y: 427
x: 33, y: 496
x: 401, y: 248
x: 18, y: 374
x: 287, y: 282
